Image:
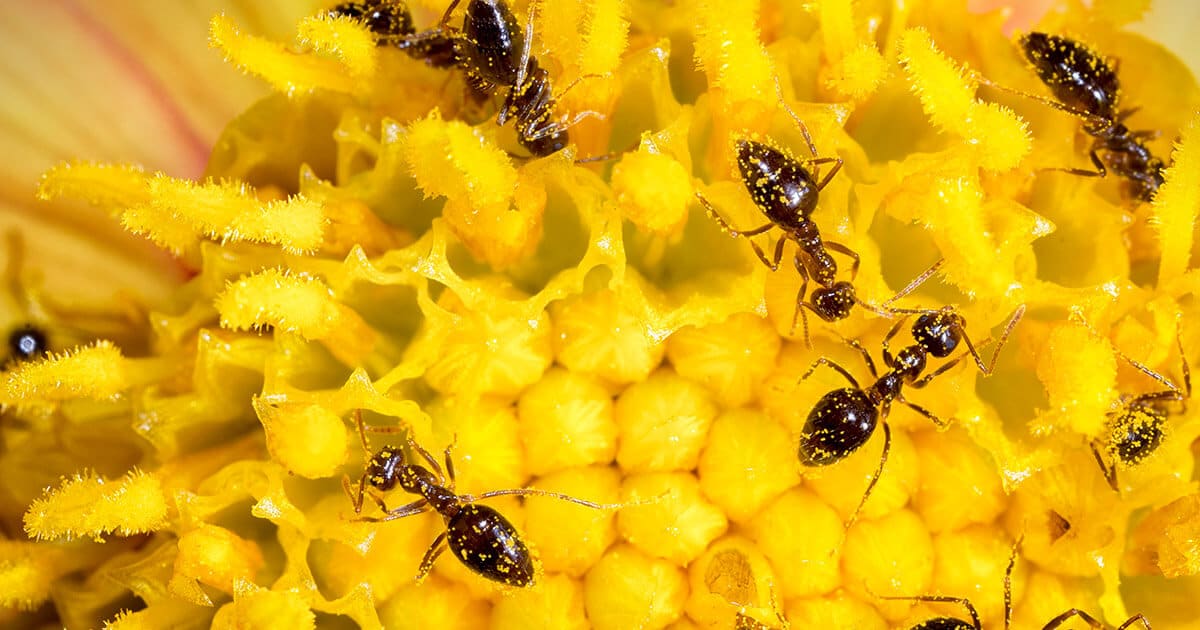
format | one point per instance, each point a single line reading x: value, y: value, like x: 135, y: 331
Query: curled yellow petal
x: 88, y: 505
x: 97, y: 371
x: 214, y: 556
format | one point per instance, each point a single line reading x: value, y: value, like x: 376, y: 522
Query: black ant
x: 957, y: 623
x: 786, y: 191
x: 485, y: 541
x: 495, y: 53
x: 1135, y: 430
x: 390, y: 21
x: 26, y: 342
x: 844, y: 419
x: 1086, y: 86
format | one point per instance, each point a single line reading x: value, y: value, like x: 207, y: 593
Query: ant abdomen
x: 488, y: 543
x: 779, y: 184
x: 1135, y: 433
x: 494, y: 42
x: 1058, y: 60
x: 840, y: 423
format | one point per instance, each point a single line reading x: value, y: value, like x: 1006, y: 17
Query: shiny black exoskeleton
x: 479, y: 536
x: 1135, y: 430
x: 1086, y: 85
x: 392, y: 22
x: 844, y: 419
x: 27, y: 342
x: 786, y: 191
x: 957, y: 623
x: 494, y: 52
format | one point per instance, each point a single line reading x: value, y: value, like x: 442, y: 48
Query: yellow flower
x: 292, y: 234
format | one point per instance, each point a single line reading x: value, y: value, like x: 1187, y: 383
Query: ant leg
x: 887, y: 445
x: 1137, y: 617
x: 446, y: 16
x: 356, y: 498
x: 912, y: 286
x: 799, y: 123
x: 800, y: 295
x: 1074, y: 612
x: 431, y: 555
x: 362, y: 433
x: 552, y: 128
x: 941, y: 424
x: 427, y: 456
x: 887, y: 339
x: 1094, y: 120
x: 527, y: 48
x: 450, y: 462
x: 853, y: 255
x: 943, y: 599
x: 1083, y: 172
x: 828, y: 363
x: 408, y: 509
x: 1012, y: 562
x: 837, y: 166
x: 534, y: 492
x: 987, y: 371
x: 1110, y: 472
x: 853, y: 343
x: 580, y: 78
x: 728, y: 229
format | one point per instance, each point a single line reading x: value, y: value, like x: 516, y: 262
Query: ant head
x: 1135, y: 432
x: 383, y: 469
x: 835, y: 302
x: 939, y: 332
x: 779, y: 184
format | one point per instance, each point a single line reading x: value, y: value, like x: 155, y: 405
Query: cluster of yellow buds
x: 368, y: 243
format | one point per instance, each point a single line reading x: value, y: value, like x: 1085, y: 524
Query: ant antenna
x: 913, y: 285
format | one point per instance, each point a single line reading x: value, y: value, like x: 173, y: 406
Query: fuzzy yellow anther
x: 26, y: 573
x: 1177, y: 203
x: 112, y: 187
x: 97, y: 371
x: 88, y: 505
x: 346, y: 39
x: 730, y: 52
x: 287, y: 71
x: 994, y: 135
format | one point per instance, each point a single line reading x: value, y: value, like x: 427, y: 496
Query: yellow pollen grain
x: 732, y: 359
x: 675, y: 522
x: 567, y: 418
x: 749, y: 460
x: 653, y: 191
x: 662, y: 423
x: 940, y: 497
x: 890, y: 556
x: 596, y: 333
x: 802, y: 538
x: 628, y: 589
x: 571, y: 538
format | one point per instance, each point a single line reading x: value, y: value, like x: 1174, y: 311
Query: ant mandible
x: 495, y: 53
x: 1086, y: 86
x: 844, y: 419
x: 1135, y: 430
x: 957, y: 623
x: 786, y: 191
x: 479, y: 536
